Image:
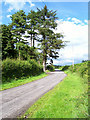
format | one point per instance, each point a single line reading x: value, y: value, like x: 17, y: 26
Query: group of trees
x: 19, y: 38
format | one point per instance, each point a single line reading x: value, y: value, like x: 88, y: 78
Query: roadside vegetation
x: 15, y: 69
x: 81, y: 69
x: 69, y: 99
x: 16, y: 73
x: 18, y: 82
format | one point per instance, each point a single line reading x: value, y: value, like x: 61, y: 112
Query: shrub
x: 81, y: 69
x: 65, y: 67
x: 14, y: 69
x: 50, y: 67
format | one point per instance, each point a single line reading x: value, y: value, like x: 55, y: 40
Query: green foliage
x: 18, y: 29
x: 31, y: 26
x: 18, y: 82
x: 39, y: 26
x: 63, y: 68
x: 57, y: 66
x: 50, y: 42
x: 81, y: 69
x: 7, y: 42
x: 50, y: 67
x: 14, y: 69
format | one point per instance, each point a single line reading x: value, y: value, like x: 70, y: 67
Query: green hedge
x: 82, y: 68
x: 14, y: 69
x: 50, y: 67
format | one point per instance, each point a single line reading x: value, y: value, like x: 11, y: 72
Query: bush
x: 50, y: 67
x: 81, y: 69
x: 65, y: 67
x: 14, y: 69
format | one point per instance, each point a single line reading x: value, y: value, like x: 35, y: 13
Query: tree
x: 31, y: 26
x: 49, y: 42
x: 29, y: 53
x: 18, y: 29
x: 7, y: 42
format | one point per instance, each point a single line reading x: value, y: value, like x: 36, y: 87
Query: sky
x: 72, y: 23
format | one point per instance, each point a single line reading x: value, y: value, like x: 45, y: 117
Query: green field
x: 15, y: 83
x: 69, y: 99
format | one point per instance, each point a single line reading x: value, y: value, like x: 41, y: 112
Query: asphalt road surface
x: 16, y: 101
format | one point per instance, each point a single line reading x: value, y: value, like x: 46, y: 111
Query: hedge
x: 82, y: 68
x: 15, y: 69
x: 50, y: 67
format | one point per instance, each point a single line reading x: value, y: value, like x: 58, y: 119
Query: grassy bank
x: 68, y: 99
x: 15, y: 83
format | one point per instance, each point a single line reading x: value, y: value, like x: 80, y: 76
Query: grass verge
x: 68, y: 99
x: 15, y: 83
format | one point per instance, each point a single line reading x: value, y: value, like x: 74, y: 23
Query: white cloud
x: 86, y: 21
x: 10, y: 9
x: 30, y: 3
x: 75, y: 20
x: 77, y: 34
x: 68, y: 18
x: 17, y: 4
x: 41, y: 0
x: 8, y: 16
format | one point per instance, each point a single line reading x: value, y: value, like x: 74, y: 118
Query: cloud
x: 68, y: 18
x: 10, y: 9
x: 86, y: 21
x: 17, y: 4
x: 30, y: 3
x: 8, y: 16
x: 77, y: 21
x: 77, y: 35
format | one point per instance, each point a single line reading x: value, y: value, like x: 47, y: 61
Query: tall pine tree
x: 7, y: 42
x: 49, y: 42
x: 31, y: 27
x: 18, y: 29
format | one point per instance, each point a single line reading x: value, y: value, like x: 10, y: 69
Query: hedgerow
x: 14, y: 69
x: 81, y: 69
x: 50, y: 67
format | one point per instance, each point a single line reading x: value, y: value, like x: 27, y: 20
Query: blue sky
x: 78, y: 10
x: 72, y: 23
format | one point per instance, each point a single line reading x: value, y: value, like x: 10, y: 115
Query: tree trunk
x: 38, y: 62
x: 33, y: 42
x: 44, y: 57
x: 44, y: 65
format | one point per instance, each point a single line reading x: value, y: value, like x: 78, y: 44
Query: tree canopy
x: 19, y: 37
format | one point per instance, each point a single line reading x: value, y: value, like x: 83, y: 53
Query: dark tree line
x: 38, y: 26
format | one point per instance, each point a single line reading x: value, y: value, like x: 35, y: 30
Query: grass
x: 68, y: 99
x: 15, y: 83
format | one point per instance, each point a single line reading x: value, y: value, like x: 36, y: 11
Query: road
x: 16, y: 101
